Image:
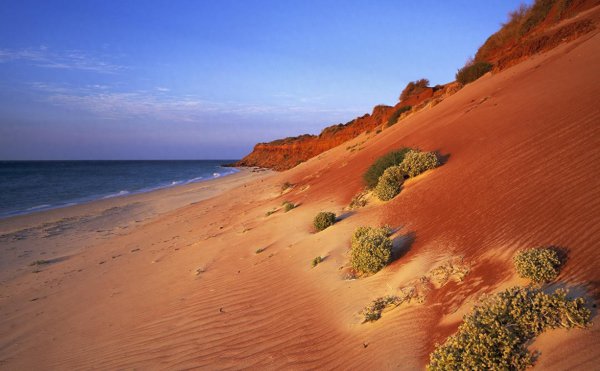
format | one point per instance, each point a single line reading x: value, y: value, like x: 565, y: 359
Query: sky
x: 208, y: 79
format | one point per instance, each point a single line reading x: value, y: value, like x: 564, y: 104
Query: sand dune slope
x: 220, y: 285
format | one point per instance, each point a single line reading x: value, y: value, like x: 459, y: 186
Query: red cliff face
x: 283, y: 154
x: 533, y: 30
x: 286, y: 153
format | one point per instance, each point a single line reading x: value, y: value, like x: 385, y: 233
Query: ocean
x: 32, y: 186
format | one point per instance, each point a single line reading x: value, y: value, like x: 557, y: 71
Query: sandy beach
x: 75, y: 239
x: 217, y: 275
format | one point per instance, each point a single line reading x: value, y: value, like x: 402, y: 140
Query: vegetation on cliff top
x: 413, y: 88
x: 396, y: 115
x: 472, y: 72
x: 521, y: 22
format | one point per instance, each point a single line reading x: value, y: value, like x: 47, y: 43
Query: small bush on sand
x: 40, y: 262
x: 494, y: 336
x: 394, y: 117
x: 371, y: 176
x: 416, y: 162
x: 390, y: 183
x: 414, y: 88
x: 285, y: 186
x: 371, y: 249
x: 539, y: 264
x: 287, y: 206
x: 373, y: 312
x: 472, y: 72
x: 316, y: 261
x: 323, y: 220
x: 359, y: 200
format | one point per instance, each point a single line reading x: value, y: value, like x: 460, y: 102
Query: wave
x: 193, y: 180
x: 38, y: 207
x: 220, y: 172
x: 120, y: 193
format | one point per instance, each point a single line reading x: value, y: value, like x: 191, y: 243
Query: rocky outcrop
x: 283, y: 154
x: 286, y: 153
x: 531, y: 30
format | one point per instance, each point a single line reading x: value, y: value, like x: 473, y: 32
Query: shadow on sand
x: 402, y: 244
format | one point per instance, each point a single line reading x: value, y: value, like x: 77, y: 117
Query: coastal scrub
x: 417, y: 162
x: 371, y: 176
x: 323, y: 220
x: 371, y: 249
x: 494, y: 336
x: 390, y: 183
x: 540, y: 265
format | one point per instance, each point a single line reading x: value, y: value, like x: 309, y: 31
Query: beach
x: 56, y: 258
x: 220, y: 275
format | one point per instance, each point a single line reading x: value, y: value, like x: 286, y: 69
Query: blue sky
x: 209, y: 79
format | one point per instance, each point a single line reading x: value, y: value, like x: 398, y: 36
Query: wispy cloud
x: 111, y: 102
x: 69, y: 60
x: 136, y: 104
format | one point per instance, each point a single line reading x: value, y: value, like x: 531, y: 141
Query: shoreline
x: 155, y: 201
x: 86, y: 199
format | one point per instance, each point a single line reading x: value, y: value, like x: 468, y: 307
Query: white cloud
x: 71, y: 59
x: 111, y: 103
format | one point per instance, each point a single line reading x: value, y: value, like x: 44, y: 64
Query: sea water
x: 31, y: 186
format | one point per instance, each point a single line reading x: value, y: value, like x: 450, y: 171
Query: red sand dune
x: 521, y: 170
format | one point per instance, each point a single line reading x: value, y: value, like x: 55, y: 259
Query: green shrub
x: 394, y: 117
x: 390, y: 183
x: 287, y: 206
x: 494, y: 336
x: 414, y: 88
x: 316, y: 261
x: 371, y: 176
x: 373, y: 312
x: 371, y: 249
x: 472, y: 72
x: 539, y: 265
x: 40, y: 262
x: 508, y: 33
x: 323, y: 220
x: 536, y: 14
x: 416, y: 162
x: 285, y: 186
